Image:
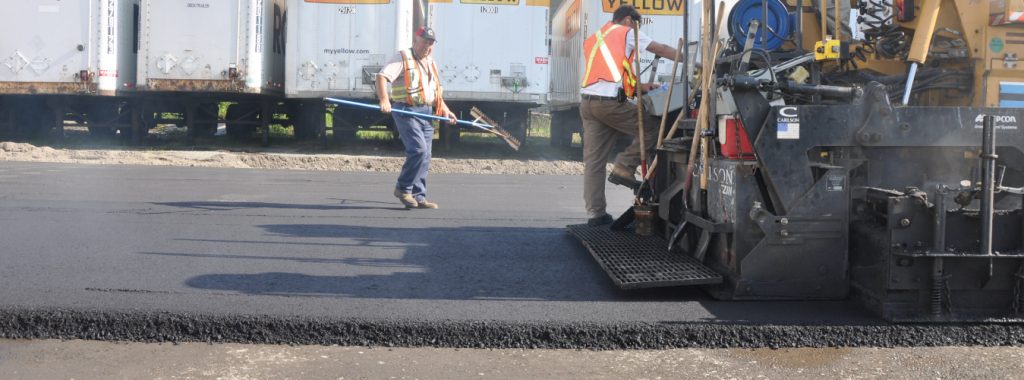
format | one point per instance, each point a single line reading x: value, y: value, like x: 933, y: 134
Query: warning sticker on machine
x: 835, y: 183
x: 788, y: 124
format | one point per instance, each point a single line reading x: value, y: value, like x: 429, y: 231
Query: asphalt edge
x: 141, y: 326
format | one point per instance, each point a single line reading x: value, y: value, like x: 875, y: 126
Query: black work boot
x: 599, y: 220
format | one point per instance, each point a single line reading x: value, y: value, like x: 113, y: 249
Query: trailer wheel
x: 206, y: 119
x: 295, y: 118
x: 102, y: 132
x: 520, y: 126
x: 449, y: 134
x: 99, y: 119
x: 242, y: 119
x: 146, y: 121
x: 344, y: 130
x: 308, y: 119
x: 129, y: 136
x: 563, y: 125
x: 32, y: 119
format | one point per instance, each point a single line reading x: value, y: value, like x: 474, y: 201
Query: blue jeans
x: 417, y: 136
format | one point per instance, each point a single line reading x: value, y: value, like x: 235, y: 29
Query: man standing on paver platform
x: 609, y: 80
x: 416, y: 87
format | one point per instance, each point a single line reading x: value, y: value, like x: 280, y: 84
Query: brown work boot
x: 427, y: 204
x: 623, y: 176
x: 406, y: 199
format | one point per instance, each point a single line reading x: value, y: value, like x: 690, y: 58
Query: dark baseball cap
x: 427, y: 33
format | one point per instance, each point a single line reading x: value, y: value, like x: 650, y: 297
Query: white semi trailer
x: 576, y: 20
x: 493, y: 55
x: 196, y: 54
x: 60, y: 58
x: 335, y: 48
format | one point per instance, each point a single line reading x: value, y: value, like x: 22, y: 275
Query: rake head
x: 496, y: 129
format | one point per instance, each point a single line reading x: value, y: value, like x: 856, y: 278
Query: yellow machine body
x: 991, y: 34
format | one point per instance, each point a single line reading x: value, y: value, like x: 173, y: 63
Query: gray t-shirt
x: 394, y: 72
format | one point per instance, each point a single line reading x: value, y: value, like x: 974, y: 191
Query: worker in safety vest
x: 414, y: 86
x: 608, y: 80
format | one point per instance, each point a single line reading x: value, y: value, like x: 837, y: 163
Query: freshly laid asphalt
x: 238, y: 255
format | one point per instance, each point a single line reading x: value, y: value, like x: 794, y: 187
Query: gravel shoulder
x: 102, y: 360
x: 380, y: 161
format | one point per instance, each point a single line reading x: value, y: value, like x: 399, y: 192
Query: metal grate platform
x: 637, y: 262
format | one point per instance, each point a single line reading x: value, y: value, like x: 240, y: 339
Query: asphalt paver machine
x: 867, y: 149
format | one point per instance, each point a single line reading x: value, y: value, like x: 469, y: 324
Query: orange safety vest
x: 412, y: 91
x: 606, y: 58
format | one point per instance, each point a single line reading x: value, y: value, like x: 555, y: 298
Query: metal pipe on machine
x: 938, y: 249
x: 988, y: 179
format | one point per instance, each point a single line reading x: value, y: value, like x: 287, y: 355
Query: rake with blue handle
x: 486, y: 125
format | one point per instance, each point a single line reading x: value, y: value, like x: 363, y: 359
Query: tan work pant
x: 603, y: 122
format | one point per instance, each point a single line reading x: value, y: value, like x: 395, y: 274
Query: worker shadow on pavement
x: 459, y: 263
x: 343, y: 204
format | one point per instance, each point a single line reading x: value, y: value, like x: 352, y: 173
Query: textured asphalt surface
x: 229, y: 255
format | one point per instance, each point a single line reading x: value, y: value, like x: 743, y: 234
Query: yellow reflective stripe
x: 631, y: 77
x: 597, y: 46
x: 437, y: 89
x: 413, y: 76
x: 422, y: 98
x: 590, y: 60
x: 609, y: 61
x: 593, y: 53
x: 406, y: 92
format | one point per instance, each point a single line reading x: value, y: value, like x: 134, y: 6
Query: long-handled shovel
x: 711, y: 45
x: 487, y: 124
x: 626, y: 218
